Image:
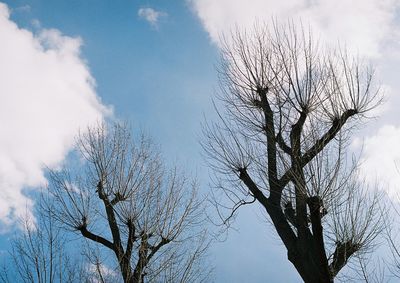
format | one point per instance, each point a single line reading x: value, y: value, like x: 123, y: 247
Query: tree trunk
x: 308, y: 266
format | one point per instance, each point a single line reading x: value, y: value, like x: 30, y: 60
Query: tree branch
x: 282, y: 144
x: 117, y: 198
x: 131, y: 239
x: 112, y: 222
x: 316, y: 206
x: 87, y: 234
x: 271, y: 145
x: 275, y: 212
x: 299, y: 180
x: 328, y: 136
x: 319, y: 145
x: 244, y: 176
x: 144, y: 257
x: 154, y: 249
x: 342, y: 253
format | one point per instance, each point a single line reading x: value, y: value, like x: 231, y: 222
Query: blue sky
x: 151, y: 76
x: 159, y: 74
x: 160, y: 78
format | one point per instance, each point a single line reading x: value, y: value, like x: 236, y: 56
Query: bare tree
x: 392, y: 236
x: 39, y: 254
x: 121, y: 197
x: 289, y: 107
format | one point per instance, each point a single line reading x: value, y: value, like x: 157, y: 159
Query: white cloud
x: 106, y: 273
x: 363, y: 25
x: 381, y: 159
x: 151, y: 16
x: 46, y: 94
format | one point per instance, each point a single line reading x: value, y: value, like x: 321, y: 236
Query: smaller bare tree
x: 122, y: 198
x: 393, y: 237
x: 39, y: 254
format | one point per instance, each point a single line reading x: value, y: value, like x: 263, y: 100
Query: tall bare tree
x: 287, y: 108
x: 123, y: 199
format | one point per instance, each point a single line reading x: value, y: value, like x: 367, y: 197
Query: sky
x: 65, y: 64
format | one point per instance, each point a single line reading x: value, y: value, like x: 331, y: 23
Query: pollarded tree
x: 124, y: 200
x: 288, y: 109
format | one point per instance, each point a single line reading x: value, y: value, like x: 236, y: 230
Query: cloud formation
x: 363, y: 25
x: 381, y: 159
x: 47, y: 93
x: 151, y: 16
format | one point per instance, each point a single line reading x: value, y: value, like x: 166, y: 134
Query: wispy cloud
x: 151, y: 15
x: 381, y: 160
x: 23, y: 8
x: 47, y: 94
x: 94, y: 272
